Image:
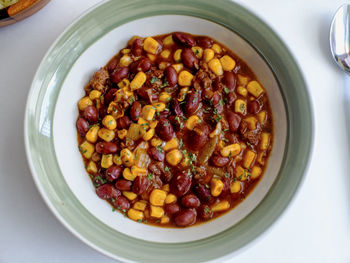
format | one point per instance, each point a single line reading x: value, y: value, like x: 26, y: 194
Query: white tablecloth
x: 315, y: 227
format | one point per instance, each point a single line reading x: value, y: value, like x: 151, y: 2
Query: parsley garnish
x: 206, y: 210
x: 167, y: 169
x: 154, y: 79
x: 227, y: 175
x: 227, y: 91
x: 165, y: 84
x: 150, y: 176
x: 139, y: 220
x: 181, y: 143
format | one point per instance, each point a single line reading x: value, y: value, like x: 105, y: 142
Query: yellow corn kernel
x: 106, y: 135
x: 265, y: 141
x: 235, y: 187
x: 216, y: 186
x: 217, y: 130
x: 170, y: 198
x: 231, y: 150
x: 215, y: 66
x: 106, y: 160
x: 135, y: 215
x: 241, y: 106
x: 117, y: 160
x: 155, y: 142
x: 182, y: 94
x: 227, y: 63
x: 138, y: 81
x: 138, y: 171
x: 151, y: 45
x: 165, y: 54
x: 164, y: 220
x: 140, y: 205
x: 136, y: 131
x: 125, y: 61
x: 109, y: 122
x: 87, y: 149
x: 164, y: 97
x: 178, y: 67
x: 157, y: 197
x: 185, y: 78
x: 128, y: 175
x: 262, y: 116
x: 242, y: 91
x: 173, y: 157
x: 166, y: 188
x: 255, y: 88
x: 143, y: 123
x: 162, y: 65
x: 256, y: 172
x: 91, y: 135
x: 157, y: 211
x: 84, y: 103
x: 159, y: 106
x: 192, y: 122
x: 148, y: 112
x: 153, y: 124
x: 149, y: 134
x: 168, y: 40
x: 260, y: 158
x: 172, y: 144
x: 127, y: 157
x: 198, y: 51
x: 177, y: 55
x: 248, y: 159
x: 125, y: 51
x: 122, y: 133
x: 242, y: 80
x: 91, y: 168
x: 94, y: 94
x: 208, y: 54
x: 221, y: 206
x: 130, y: 195
x: 217, y: 49
x: 115, y: 109
x: 151, y: 57
x: 251, y: 121
x: 221, y: 144
x: 241, y: 173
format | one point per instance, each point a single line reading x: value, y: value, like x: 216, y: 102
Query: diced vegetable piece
x: 241, y: 173
x: 135, y: 131
x: 208, y: 54
x: 135, y: 215
x: 248, y: 159
x: 151, y: 45
x: 172, y: 144
x: 91, y: 168
x: 84, y: 103
x: 242, y: 80
x: 192, y: 122
x: 177, y: 55
x: 157, y: 197
x: 227, y: 63
x: 241, y: 106
x: 256, y: 172
x: 185, y: 78
x: 157, y: 211
x: 130, y: 195
x: 170, y: 198
x: 221, y: 206
x: 216, y: 187
x: 107, y: 160
x: 164, y: 220
x: 92, y: 134
x: 217, y: 49
x: 140, y: 205
x: 235, y: 187
x: 262, y: 116
x: 252, y: 121
x: 127, y: 157
x: 106, y: 135
x: 231, y: 150
x: 255, y: 88
x: 87, y: 149
x: 242, y: 91
x: 109, y: 122
x: 165, y: 53
x: 148, y: 112
x: 216, y: 67
x: 178, y: 67
x: 168, y: 40
x: 198, y: 51
x: 265, y: 141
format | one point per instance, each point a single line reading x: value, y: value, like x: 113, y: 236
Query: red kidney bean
x: 177, y: 122
x: 199, y: 136
x: 123, y: 185
x: 219, y: 161
x: 140, y: 185
x: 189, y: 59
x: 175, y: 106
x: 204, y: 42
x: 122, y: 203
x: 143, y: 64
x: 233, y: 120
x: 254, y: 107
x: 136, y: 47
x: 163, y: 114
x: 181, y: 183
x: 203, y: 192
x: 106, y: 147
x: 183, y: 39
x: 190, y: 201
x: 82, y: 126
x: 123, y: 122
x: 112, y: 65
x: 91, y: 114
x: 164, y: 129
x: 119, y: 74
x: 172, y: 209
x: 171, y: 76
x: 113, y: 173
x: 156, y: 154
x: 109, y: 96
x: 186, y: 217
x: 204, y: 212
x: 135, y: 111
x: 226, y: 188
x: 229, y: 80
x: 231, y: 97
x: 216, y: 98
x: 192, y: 102
x: 107, y: 191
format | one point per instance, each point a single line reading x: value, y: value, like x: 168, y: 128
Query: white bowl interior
x: 97, y: 55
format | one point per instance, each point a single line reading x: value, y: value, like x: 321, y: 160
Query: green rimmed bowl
x: 88, y: 44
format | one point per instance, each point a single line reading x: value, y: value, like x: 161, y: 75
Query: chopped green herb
x: 242, y: 107
x: 249, y: 144
x: 218, y: 118
x: 154, y: 79
x: 215, y: 111
x: 166, y: 169
x: 194, y: 99
x: 222, y: 102
x: 165, y: 124
x: 165, y: 84
x: 139, y: 220
x: 150, y: 176
x: 224, y: 139
x: 181, y: 143
x: 227, y: 175
x: 206, y: 186
x: 184, y: 118
x: 159, y: 148
x: 113, y: 209
x: 227, y: 91
x: 206, y: 210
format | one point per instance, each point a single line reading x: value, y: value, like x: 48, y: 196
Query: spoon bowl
x: 339, y: 37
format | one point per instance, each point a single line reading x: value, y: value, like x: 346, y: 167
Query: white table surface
x: 315, y: 227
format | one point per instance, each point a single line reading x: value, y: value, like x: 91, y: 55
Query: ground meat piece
x: 252, y: 137
x: 99, y: 78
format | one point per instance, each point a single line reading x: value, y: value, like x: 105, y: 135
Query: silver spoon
x: 339, y: 37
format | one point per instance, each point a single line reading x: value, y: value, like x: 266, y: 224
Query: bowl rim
x: 35, y: 91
